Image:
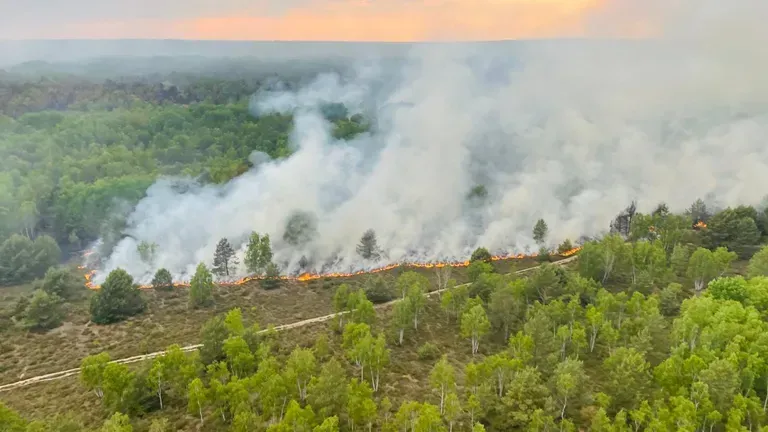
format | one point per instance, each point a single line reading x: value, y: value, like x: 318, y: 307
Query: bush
x: 481, y: 254
x: 117, y: 299
x: 271, y: 277
x: 61, y: 282
x: 377, y: 290
x: 163, y: 281
x: 44, y: 312
x: 565, y: 246
x: 477, y: 268
x: 429, y: 351
x: 543, y: 255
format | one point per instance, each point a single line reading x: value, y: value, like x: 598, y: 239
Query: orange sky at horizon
x: 363, y: 20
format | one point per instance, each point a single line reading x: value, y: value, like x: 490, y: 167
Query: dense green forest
x: 658, y: 326
x: 75, y: 153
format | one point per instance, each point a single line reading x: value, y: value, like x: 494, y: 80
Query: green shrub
x: 429, y: 351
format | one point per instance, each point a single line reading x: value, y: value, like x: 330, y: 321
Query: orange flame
x: 700, y: 225
x: 314, y: 276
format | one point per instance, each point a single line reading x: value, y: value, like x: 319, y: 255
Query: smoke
x: 567, y: 131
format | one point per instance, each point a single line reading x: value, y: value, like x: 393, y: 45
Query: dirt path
x: 138, y: 358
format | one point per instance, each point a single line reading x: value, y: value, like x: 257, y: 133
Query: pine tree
x: 162, y: 280
x: 540, y: 232
x: 224, y: 259
x: 368, y: 248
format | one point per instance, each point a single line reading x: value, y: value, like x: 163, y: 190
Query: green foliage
x: 212, y: 336
x: 670, y: 299
x: 480, y: 254
x: 477, y: 268
x: 22, y: 259
x: 377, y: 290
x: 258, y: 255
x: 201, y: 288
x: 117, y: 299
x: 428, y: 351
x: 10, y: 420
x: 162, y: 281
x: 271, y: 277
x: 735, y: 229
x: 758, y: 264
x: 62, y: 282
x: 565, y: 246
x: 44, y: 312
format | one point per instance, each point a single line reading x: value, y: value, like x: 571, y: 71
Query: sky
x: 338, y: 20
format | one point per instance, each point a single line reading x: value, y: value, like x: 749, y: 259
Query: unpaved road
x: 138, y: 358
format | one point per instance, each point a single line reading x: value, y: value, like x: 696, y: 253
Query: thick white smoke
x: 570, y: 132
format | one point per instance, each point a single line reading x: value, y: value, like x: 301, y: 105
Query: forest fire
x: 700, y: 225
x: 314, y: 276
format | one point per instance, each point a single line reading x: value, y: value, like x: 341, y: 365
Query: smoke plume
x: 567, y: 131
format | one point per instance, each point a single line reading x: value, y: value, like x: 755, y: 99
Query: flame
x: 700, y: 225
x: 314, y: 276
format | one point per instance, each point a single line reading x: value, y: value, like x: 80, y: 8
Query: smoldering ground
x: 567, y: 131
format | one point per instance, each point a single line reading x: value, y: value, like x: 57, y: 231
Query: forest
x: 658, y: 326
x: 76, y: 154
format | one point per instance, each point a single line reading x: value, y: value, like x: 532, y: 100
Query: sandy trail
x: 138, y: 358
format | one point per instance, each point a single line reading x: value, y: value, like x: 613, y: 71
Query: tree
x: 117, y: 423
x: 44, y: 311
x: 378, y: 360
x: 443, y: 277
x: 474, y: 325
x: 702, y: 268
x: 119, y: 385
x: 301, y: 366
x: 411, y: 278
x: 300, y: 229
x: 328, y: 391
x: 147, y: 252
x: 402, y: 319
x: 480, y: 254
x: 224, y: 258
x: 451, y: 410
x: 453, y: 301
x: 10, y: 420
x: 507, y: 306
x: 61, y: 282
x: 196, y: 397
x: 271, y: 277
x: 212, y: 335
x: 415, y: 300
x: 540, y: 231
x: 567, y: 383
x: 628, y: 377
x: 201, y: 288
x: 565, y: 247
x: 758, y: 264
x: 117, y: 299
x: 368, y: 247
x: 376, y: 289
x: 679, y: 259
x: 478, y: 268
x: 443, y: 379
x: 329, y: 424
x: 258, y: 254
x: 163, y: 281
x: 92, y: 372
x: 340, y: 301
x: 361, y: 409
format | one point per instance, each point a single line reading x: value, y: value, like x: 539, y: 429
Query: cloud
x: 391, y: 20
